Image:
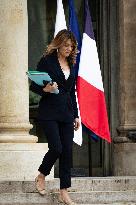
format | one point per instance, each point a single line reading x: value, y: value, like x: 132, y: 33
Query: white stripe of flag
x: 60, y: 18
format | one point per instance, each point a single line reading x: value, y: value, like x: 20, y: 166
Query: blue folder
x: 39, y: 78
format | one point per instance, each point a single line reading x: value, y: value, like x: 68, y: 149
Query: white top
x: 66, y: 73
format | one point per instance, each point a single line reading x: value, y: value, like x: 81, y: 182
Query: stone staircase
x: 85, y: 191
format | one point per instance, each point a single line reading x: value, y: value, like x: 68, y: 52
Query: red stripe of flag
x: 93, y: 108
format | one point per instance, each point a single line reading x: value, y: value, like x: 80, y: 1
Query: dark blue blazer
x: 60, y: 106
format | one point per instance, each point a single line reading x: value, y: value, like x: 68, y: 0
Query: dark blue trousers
x: 60, y: 141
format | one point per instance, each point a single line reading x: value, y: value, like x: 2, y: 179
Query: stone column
x: 20, y: 156
x: 125, y: 147
x: 14, y: 91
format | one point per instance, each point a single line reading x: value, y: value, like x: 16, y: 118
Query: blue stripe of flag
x: 88, y: 29
x: 88, y: 22
x: 74, y: 27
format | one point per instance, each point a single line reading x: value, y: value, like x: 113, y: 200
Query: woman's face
x: 66, y: 48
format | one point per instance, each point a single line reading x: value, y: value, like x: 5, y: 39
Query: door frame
x: 109, y: 61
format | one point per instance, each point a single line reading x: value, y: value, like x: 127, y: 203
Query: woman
x: 58, y: 113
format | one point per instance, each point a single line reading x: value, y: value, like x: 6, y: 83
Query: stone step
x: 78, y: 184
x: 96, y: 197
x: 98, y: 190
x: 120, y: 203
x: 104, y: 183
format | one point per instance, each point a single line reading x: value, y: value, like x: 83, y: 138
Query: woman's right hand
x: 50, y: 87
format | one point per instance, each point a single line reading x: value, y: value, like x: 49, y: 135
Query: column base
x: 124, y: 159
x: 16, y: 133
x: 20, y: 162
x: 16, y: 138
x: 127, y: 134
x: 121, y: 139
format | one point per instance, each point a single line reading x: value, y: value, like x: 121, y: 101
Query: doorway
x: 94, y: 157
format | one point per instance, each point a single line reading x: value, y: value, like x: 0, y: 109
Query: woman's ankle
x: 42, y: 176
x: 64, y: 190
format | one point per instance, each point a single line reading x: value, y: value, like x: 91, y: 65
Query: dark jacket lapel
x: 58, y: 73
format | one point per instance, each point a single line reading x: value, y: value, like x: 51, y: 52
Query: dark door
x: 93, y: 157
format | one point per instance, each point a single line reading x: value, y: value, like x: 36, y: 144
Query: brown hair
x: 59, y: 39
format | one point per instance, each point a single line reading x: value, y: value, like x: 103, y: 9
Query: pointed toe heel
x: 61, y: 200
x: 41, y: 191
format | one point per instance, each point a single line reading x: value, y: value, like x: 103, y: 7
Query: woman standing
x: 58, y: 113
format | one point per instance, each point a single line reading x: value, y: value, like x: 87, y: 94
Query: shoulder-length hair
x: 61, y: 37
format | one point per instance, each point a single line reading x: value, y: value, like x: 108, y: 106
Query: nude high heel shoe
x: 41, y: 191
x: 61, y: 200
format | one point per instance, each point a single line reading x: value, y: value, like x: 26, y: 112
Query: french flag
x: 74, y: 27
x: 90, y: 89
x: 59, y: 25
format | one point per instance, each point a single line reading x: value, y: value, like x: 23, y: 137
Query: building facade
x: 26, y: 29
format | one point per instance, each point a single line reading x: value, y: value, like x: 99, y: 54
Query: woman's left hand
x: 76, y: 124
